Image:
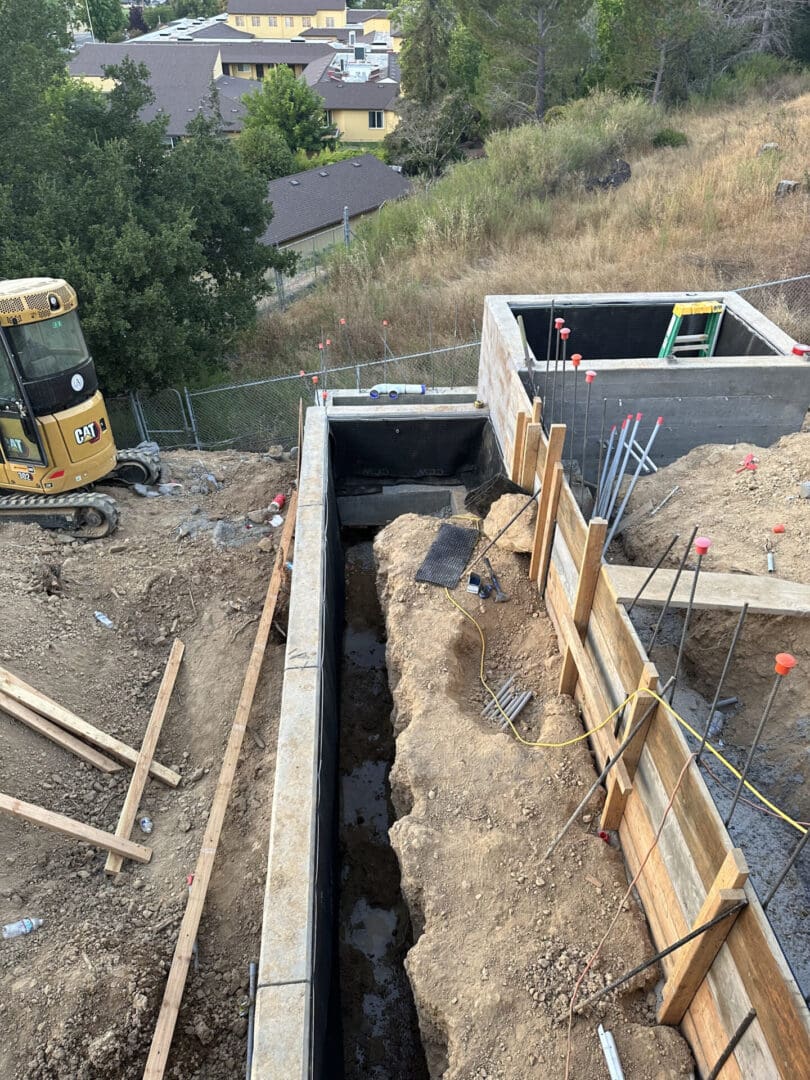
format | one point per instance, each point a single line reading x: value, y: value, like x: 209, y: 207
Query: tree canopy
x: 286, y: 104
x: 163, y: 246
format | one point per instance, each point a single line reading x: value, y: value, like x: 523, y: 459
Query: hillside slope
x: 701, y: 216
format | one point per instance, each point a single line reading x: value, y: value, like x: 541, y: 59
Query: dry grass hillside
x: 693, y: 217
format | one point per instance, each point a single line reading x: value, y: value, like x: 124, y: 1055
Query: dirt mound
x: 520, y: 535
x: 81, y: 994
x: 737, y: 508
x: 500, y: 937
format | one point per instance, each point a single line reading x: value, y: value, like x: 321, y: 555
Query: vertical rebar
x: 558, y: 325
x: 786, y: 870
x: 784, y: 662
x: 597, y: 485
x: 623, y: 467
x: 668, y: 601
x: 653, y: 572
x: 633, y: 481
x: 565, y: 333
x: 589, y: 377
x: 702, y: 545
x: 729, y: 657
x: 607, y: 487
x: 548, y: 363
x: 576, y: 360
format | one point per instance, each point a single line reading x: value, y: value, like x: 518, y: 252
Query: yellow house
x: 359, y: 96
x: 371, y: 20
x: 285, y: 19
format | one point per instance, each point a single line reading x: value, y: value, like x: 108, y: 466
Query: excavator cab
x: 55, y: 435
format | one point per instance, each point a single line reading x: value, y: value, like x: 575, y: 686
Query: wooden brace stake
x: 537, y: 410
x: 517, y: 450
x: 139, y: 776
x: 583, y: 601
x: 531, y: 446
x: 696, y: 958
x: 556, y: 439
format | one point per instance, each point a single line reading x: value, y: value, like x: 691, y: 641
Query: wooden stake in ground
x: 69, y: 827
x: 173, y: 995
x: 57, y: 735
x: 138, y: 781
x: 20, y: 691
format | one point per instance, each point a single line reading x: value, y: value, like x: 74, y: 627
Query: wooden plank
x: 537, y: 410
x: 544, y: 550
x: 638, y: 706
x: 715, y: 592
x: 695, y: 959
x: 517, y: 451
x: 572, y: 523
x: 554, y: 449
x: 37, y: 815
x: 20, y: 691
x: 627, y: 654
x: 139, y: 776
x: 173, y: 995
x: 618, y: 791
x: 57, y: 735
x: 528, y: 465
x: 589, y: 567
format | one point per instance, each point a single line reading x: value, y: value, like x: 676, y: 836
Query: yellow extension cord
x: 579, y: 738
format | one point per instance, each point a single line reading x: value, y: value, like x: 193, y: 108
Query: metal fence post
x: 137, y: 412
x: 192, y: 418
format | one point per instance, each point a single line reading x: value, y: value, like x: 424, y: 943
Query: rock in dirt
x: 519, y: 535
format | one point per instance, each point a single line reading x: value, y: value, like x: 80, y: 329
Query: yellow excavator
x: 55, y: 436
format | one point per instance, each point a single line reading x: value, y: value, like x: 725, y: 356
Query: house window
x: 272, y: 20
x: 289, y: 21
x: 330, y: 21
x: 306, y: 22
x: 255, y: 20
x: 240, y: 20
x: 244, y: 68
x: 329, y: 121
x: 376, y: 118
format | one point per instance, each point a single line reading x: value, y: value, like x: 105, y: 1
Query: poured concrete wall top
x: 720, y: 399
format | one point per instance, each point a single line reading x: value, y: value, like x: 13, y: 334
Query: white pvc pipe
x: 393, y: 390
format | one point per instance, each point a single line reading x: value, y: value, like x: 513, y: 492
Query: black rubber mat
x: 480, y: 499
x: 448, y: 555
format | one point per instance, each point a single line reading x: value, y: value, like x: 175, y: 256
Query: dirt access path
x: 500, y: 937
x: 81, y: 994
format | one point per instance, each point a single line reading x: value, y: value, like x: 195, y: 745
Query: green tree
x: 197, y: 9
x: 427, y: 140
x: 466, y: 58
x: 425, y: 55
x: 285, y: 103
x: 529, y: 41
x: 265, y: 150
x: 107, y: 19
x: 164, y: 248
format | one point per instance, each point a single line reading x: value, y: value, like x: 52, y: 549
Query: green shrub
x: 760, y: 75
x: 669, y: 137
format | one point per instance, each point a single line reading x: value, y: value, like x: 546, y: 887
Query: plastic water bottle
x: 104, y: 620
x: 20, y: 928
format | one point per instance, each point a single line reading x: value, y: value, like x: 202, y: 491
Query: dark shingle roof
x: 361, y: 15
x: 314, y: 201
x: 257, y: 51
x: 221, y: 32
x: 338, y: 33
x: 380, y: 93
x: 283, y: 7
x: 180, y: 77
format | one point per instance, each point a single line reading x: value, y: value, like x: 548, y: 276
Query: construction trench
x: 438, y: 899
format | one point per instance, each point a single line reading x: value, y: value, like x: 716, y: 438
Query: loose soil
x: 738, y: 510
x: 81, y: 994
x: 500, y: 937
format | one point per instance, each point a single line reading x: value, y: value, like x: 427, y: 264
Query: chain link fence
x: 786, y: 302
x: 257, y: 414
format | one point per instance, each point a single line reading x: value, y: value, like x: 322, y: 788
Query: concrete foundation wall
x: 726, y: 399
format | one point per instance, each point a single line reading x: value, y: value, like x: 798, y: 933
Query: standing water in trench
x: 380, y: 1033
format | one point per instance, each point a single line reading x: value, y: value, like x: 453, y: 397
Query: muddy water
x: 379, y: 1025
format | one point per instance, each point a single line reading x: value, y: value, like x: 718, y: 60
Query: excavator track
x: 135, y: 467
x: 88, y: 516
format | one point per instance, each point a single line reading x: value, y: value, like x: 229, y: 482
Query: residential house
x: 181, y: 77
x: 285, y: 19
x: 359, y: 92
x: 309, y: 207
x: 253, y: 59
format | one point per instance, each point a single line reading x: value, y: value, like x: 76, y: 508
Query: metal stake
x: 702, y: 545
x: 253, y: 970
x: 589, y: 377
x: 733, y: 1043
x: 565, y: 333
x: 558, y: 325
x: 601, y: 778
x: 508, y: 525
x: 614, y: 464
x: 668, y: 601
x: 633, y: 481
x: 729, y: 656
x: 623, y: 468
x: 576, y: 360
x: 796, y: 853
x: 660, y: 955
x: 598, y: 487
x: 784, y: 663
x: 548, y: 362
x: 652, y: 572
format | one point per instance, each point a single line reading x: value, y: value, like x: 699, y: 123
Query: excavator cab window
x: 48, y: 348
x: 16, y: 426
